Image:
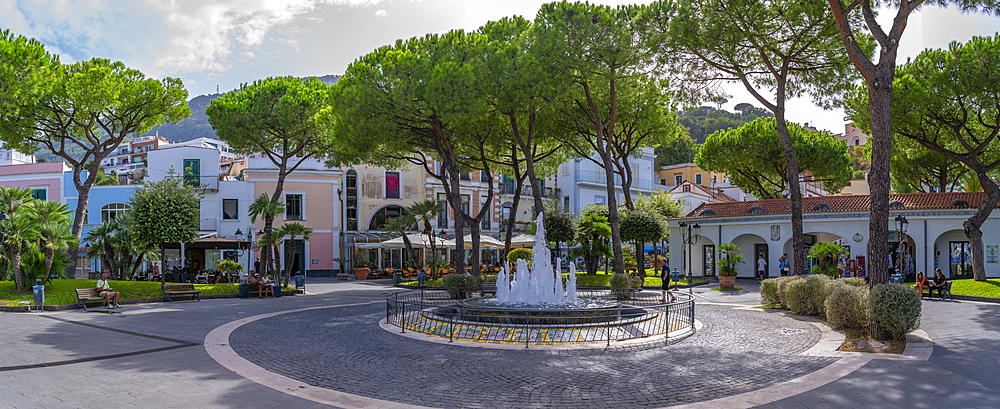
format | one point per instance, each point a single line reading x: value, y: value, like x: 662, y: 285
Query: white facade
x: 224, y: 150
x: 582, y: 182
x: 13, y: 157
x: 934, y: 236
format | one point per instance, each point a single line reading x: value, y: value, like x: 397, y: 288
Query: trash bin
x: 39, y: 293
x: 420, y: 278
x: 397, y: 278
x: 277, y: 291
x: 244, y: 290
x: 300, y: 282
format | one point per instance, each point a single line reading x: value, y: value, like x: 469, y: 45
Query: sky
x: 219, y: 44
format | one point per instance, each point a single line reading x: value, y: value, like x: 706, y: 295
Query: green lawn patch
x: 989, y: 288
x: 59, y: 292
x: 582, y: 280
x: 727, y: 289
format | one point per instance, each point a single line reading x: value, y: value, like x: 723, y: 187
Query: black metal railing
x: 642, y: 315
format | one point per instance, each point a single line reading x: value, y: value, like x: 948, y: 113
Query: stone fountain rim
x: 463, y: 304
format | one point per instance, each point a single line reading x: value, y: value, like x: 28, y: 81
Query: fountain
x: 535, y: 305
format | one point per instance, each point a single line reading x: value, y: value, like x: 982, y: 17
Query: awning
x: 522, y: 240
x: 484, y: 241
x: 220, y: 243
x: 417, y: 240
x: 357, y: 238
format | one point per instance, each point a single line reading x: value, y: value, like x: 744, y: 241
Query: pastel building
x: 45, y: 180
x: 582, y: 181
x: 310, y: 195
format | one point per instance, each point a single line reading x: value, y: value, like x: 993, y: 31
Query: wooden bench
x: 946, y: 290
x: 181, y: 289
x: 87, y: 294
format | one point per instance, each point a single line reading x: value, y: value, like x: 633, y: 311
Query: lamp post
x: 689, y: 234
x: 240, y: 250
x: 901, y: 225
x: 4, y: 225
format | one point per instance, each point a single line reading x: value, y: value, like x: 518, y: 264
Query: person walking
x: 761, y: 267
x: 665, y: 286
x: 783, y: 264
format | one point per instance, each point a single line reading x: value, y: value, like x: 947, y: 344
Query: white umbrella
x: 417, y: 239
x: 522, y: 240
x: 484, y: 241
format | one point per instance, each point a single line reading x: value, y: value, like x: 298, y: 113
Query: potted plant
x: 727, y: 265
x: 360, y: 266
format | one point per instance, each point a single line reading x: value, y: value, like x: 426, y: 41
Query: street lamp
x: 689, y: 234
x: 4, y: 225
x: 240, y: 250
x: 901, y: 225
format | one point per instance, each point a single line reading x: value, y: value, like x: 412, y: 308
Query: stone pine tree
x: 854, y: 19
x: 80, y: 112
x: 165, y: 211
x: 948, y: 101
x: 760, y: 169
x: 273, y: 118
x: 776, y: 49
x: 412, y: 102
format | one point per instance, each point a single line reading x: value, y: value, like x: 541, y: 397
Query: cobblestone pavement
x: 345, y: 350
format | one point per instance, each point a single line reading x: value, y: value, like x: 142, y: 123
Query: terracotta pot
x: 360, y: 273
x: 727, y: 282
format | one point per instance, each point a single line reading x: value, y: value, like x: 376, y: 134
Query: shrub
x: 895, y: 308
x: 519, y: 254
x: 622, y: 285
x: 769, y: 290
x: 806, y: 296
x: 847, y: 306
x: 783, y: 283
x: 459, y: 285
x: 855, y: 281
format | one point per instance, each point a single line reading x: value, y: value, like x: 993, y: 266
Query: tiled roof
x: 709, y: 192
x: 837, y: 204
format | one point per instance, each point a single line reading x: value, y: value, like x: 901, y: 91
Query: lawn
x: 59, y: 292
x: 989, y: 288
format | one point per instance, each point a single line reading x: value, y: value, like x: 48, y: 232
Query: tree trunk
x: 879, y: 100
x: 83, y: 199
x: 163, y: 264
x: 794, y: 191
x: 511, y: 221
x: 455, y: 199
x: 409, y: 249
x: 527, y: 148
x: 290, y: 262
x: 973, y: 224
x: 616, y: 241
x: 269, y: 220
x: 49, y: 255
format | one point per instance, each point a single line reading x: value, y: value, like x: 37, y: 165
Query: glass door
x: 761, y: 250
x: 708, y: 259
x: 960, y: 263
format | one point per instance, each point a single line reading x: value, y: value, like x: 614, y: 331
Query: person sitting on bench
x: 105, y: 291
x: 938, y: 284
x: 266, y: 287
x: 921, y: 284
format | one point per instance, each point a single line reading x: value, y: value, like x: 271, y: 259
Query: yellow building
x: 674, y: 175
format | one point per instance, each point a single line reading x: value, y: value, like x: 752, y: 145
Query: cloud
x: 381, y: 13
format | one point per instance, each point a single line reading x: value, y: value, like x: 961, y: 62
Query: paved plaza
x: 327, y: 349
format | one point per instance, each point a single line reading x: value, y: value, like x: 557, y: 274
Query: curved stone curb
x: 538, y: 347
x: 217, y: 346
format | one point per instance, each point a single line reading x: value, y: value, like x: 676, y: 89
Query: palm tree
x: 401, y: 225
x: 424, y: 212
x: 592, y: 234
x: 293, y: 230
x: 54, y: 230
x: 20, y: 229
x: 267, y: 209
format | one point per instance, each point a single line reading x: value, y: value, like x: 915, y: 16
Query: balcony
x: 589, y: 176
x: 202, y: 182
x: 209, y: 225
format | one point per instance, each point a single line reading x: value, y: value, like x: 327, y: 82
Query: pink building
x: 45, y: 180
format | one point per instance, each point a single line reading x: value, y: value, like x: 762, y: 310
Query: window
x: 465, y: 204
x: 565, y: 202
x: 678, y: 179
x: 663, y: 182
x: 192, y: 172
x: 486, y: 218
x: 385, y: 215
x: 484, y: 176
x: 293, y: 207
x: 697, y: 178
x: 857, y: 142
x: 392, y: 185
x: 686, y: 188
x: 351, y: 182
x: 109, y: 211
x: 39, y: 193
x: 465, y: 176
x: 442, y: 219
x: 230, y: 209
x: 715, y: 179
x: 599, y: 200
x: 565, y: 169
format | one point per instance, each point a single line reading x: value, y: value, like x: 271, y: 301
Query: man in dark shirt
x: 938, y: 284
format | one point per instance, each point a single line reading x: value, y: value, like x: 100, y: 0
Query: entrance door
x: 708, y: 259
x: 300, y: 256
x: 960, y: 263
x: 761, y: 250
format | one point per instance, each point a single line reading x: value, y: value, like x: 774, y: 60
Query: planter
x: 361, y: 273
x: 727, y: 282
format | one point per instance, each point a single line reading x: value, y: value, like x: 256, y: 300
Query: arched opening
x: 812, y: 238
x: 111, y: 210
x: 952, y: 254
x: 751, y: 247
x: 385, y: 215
